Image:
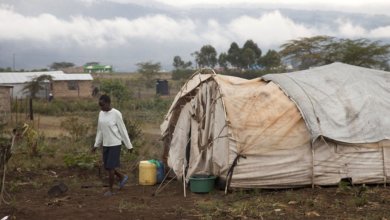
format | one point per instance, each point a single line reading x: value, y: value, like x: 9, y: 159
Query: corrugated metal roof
x: 22, y: 77
x: 65, y: 77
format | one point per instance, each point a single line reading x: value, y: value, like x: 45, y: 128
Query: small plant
x: 133, y: 129
x: 30, y: 136
x: 179, y: 211
x: 116, y: 89
x: 76, y: 128
x: 124, y: 205
x: 344, y: 186
x: 360, y: 201
x: 80, y: 160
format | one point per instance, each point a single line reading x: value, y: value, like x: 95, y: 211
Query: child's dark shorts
x: 111, y: 157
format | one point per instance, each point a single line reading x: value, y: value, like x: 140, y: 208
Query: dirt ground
x: 29, y: 199
x: 84, y: 200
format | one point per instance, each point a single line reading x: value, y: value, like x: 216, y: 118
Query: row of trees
x: 300, y: 54
x: 246, y: 58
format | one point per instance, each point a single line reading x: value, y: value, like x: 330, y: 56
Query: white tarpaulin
x: 342, y: 102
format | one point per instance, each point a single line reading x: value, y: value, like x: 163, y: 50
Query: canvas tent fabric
x: 216, y: 119
x: 342, y: 102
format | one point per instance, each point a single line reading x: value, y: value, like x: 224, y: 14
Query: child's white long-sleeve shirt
x: 111, y: 130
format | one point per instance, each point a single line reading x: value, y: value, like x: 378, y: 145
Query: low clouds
x: 87, y: 31
x: 270, y: 30
x: 349, y: 30
x: 176, y: 35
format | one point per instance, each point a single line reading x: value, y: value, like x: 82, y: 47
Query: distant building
x: 63, y: 85
x: 73, y: 69
x: 98, y: 69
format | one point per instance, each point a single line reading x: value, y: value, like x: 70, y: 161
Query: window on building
x: 72, y: 85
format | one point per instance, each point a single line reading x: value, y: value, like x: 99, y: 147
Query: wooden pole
x: 384, y: 164
x: 184, y: 182
x: 30, y: 103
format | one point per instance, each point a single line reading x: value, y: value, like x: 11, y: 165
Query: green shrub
x: 76, y: 128
x: 57, y: 106
x: 182, y: 74
x: 80, y: 160
x: 115, y: 88
x: 133, y: 129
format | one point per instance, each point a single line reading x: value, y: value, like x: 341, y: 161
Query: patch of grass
x: 337, y: 204
x: 37, y: 184
x: 124, y: 206
x: 13, y: 186
x: 211, y: 209
x: 76, y: 128
x: 80, y: 160
x: 360, y: 201
x: 344, y: 187
x: 207, y: 205
x: 180, y: 211
x: 248, y: 209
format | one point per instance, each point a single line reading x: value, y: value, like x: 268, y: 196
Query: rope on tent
x: 229, y: 175
x: 160, y: 187
x: 311, y: 103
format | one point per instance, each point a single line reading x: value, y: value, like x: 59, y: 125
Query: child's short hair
x: 105, y: 98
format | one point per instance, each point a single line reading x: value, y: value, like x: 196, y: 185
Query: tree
x: 40, y: 70
x: 33, y: 87
x: 178, y: 63
x: 149, y: 70
x: 60, y: 65
x: 92, y: 63
x: 116, y: 89
x: 361, y: 52
x: 181, y: 68
x: 271, y: 60
x: 233, y: 55
x: 250, y: 54
x: 8, y: 69
x: 222, y: 60
x: 207, y: 57
x: 247, y: 58
x: 197, y: 58
x: 306, y: 52
x: 320, y: 50
x: 36, y: 84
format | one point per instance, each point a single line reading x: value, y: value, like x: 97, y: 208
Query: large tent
x: 311, y: 127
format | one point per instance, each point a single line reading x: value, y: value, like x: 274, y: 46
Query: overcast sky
x: 125, y: 32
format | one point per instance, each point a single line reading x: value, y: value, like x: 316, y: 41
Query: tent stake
x: 384, y: 165
x: 155, y: 192
x: 312, y: 164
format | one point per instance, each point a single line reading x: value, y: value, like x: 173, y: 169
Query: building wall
x: 17, y: 91
x: 5, y: 103
x: 67, y: 89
